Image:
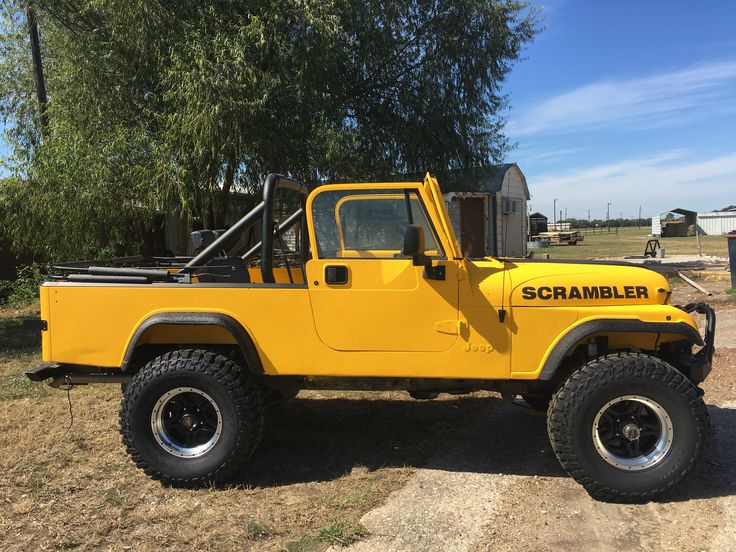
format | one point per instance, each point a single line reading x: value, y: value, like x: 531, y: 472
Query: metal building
x: 717, y: 222
x: 686, y: 222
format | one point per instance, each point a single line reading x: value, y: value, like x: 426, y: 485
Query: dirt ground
x: 373, y: 471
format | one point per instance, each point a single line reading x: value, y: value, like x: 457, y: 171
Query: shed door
x: 472, y: 227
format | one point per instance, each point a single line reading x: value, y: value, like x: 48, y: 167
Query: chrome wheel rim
x: 186, y: 422
x: 632, y: 433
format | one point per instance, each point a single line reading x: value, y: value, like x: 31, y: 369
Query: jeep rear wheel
x: 628, y: 427
x: 191, y: 417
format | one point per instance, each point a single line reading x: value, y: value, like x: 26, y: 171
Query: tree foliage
x: 155, y: 104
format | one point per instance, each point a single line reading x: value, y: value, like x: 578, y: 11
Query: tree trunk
x: 37, y: 69
x: 182, y: 247
x: 227, y: 186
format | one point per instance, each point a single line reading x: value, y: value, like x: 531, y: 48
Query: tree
x: 155, y: 104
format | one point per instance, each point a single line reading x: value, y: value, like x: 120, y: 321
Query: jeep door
x: 365, y: 294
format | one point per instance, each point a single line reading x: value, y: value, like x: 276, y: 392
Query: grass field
x: 632, y: 241
x: 325, y: 460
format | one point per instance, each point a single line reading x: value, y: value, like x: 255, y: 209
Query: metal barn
x: 717, y: 222
x: 712, y: 223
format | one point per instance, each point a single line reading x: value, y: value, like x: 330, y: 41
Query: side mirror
x: 414, y: 245
x: 413, y: 241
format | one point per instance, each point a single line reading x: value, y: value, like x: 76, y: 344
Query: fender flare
x: 232, y: 326
x: 564, y: 345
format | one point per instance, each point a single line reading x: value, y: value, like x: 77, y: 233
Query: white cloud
x: 658, y: 100
x: 539, y: 154
x: 657, y: 183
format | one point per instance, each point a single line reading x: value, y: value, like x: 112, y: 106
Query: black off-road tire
x: 230, y: 387
x: 540, y: 403
x: 574, y: 407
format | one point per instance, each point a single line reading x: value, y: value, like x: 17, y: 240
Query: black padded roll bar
x: 273, y: 182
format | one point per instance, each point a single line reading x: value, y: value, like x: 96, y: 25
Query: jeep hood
x: 584, y: 283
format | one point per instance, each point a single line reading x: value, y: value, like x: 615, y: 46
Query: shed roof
x: 488, y: 179
x: 491, y: 178
x: 680, y: 211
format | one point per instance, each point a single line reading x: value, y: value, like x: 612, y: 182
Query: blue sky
x: 628, y: 102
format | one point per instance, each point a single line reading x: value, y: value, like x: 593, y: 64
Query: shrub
x: 24, y: 289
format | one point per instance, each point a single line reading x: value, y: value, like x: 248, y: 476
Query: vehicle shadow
x: 320, y: 440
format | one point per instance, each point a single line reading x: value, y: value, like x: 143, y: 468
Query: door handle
x: 336, y: 274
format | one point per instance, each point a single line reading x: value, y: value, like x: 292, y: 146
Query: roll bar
x: 264, y: 211
x: 283, y: 227
x: 273, y: 182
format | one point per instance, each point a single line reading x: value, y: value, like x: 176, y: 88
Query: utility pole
x: 638, y: 222
x: 37, y: 69
x: 565, y: 213
x: 554, y: 213
x: 608, y: 217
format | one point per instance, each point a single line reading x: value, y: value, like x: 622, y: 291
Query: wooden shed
x: 489, y: 218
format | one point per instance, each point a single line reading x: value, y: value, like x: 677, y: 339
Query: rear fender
x: 192, y: 319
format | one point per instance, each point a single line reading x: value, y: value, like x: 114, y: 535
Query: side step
x: 74, y: 374
x: 43, y: 371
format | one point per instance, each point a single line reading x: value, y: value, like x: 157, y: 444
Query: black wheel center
x: 629, y: 429
x: 189, y: 420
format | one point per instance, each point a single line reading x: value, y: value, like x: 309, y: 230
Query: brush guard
x: 700, y: 363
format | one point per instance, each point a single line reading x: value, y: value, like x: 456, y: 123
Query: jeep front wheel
x: 191, y: 417
x: 628, y: 427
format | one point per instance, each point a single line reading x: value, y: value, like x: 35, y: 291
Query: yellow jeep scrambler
x: 365, y: 286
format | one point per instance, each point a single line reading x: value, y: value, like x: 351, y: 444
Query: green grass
x: 304, y: 544
x: 257, y: 530
x: 19, y: 350
x: 341, y: 533
x: 632, y: 241
x: 18, y: 386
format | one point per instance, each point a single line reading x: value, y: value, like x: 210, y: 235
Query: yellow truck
x: 372, y: 292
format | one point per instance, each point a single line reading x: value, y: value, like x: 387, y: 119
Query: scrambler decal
x: 585, y: 292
